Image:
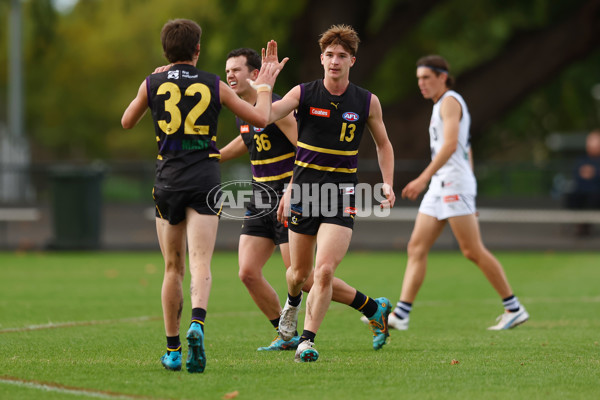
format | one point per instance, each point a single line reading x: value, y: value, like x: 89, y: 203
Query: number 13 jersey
x: 330, y: 128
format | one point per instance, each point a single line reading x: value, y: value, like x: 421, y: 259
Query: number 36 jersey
x: 271, y: 153
x: 185, y: 107
x: 330, y: 128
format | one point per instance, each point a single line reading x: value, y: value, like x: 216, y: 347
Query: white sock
x: 402, y: 309
x: 511, y: 303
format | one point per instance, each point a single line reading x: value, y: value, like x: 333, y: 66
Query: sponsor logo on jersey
x: 350, y: 116
x: 350, y: 210
x: 194, y: 145
x: 451, y: 199
x: 258, y: 129
x: 172, y: 74
x: 244, y: 128
x: 319, y: 112
x: 186, y: 75
x: 349, y: 190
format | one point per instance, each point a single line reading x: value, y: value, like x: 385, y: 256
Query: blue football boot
x: 279, y: 344
x: 171, y: 360
x: 379, y: 322
x: 196, y: 359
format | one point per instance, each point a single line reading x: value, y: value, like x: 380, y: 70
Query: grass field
x: 88, y: 325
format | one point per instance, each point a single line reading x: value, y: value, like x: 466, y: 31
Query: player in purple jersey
x: 332, y: 115
x: 272, y: 152
x: 185, y: 104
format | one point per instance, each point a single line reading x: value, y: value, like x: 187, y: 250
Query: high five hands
x: 270, y: 66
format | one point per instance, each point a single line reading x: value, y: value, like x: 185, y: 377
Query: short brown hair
x: 438, y: 65
x: 179, y: 39
x: 343, y: 35
x: 253, y: 59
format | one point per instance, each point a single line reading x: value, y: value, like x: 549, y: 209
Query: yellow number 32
x: 171, y: 106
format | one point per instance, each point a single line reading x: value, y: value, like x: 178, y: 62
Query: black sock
x: 364, y: 304
x: 199, y: 315
x: 307, y: 335
x: 173, y: 344
x: 275, y: 322
x: 295, y: 300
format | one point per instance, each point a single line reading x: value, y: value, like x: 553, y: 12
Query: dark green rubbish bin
x: 76, y: 207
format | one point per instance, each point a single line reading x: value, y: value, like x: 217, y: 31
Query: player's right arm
x: 471, y: 159
x: 136, y: 109
x: 286, y: 105
x: 234, y: 149
x: 257, y: 115
x: 451, y: 114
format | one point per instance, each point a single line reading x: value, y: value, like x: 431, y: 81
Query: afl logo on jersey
x: 350, y: 116
x: 258, y: 129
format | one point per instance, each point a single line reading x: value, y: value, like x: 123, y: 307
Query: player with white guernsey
x: 456, y: 175
x: 450, y: 198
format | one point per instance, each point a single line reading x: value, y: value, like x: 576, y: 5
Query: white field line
x: 70, y: 324
x: 55, y: 387
x: 52, y: 325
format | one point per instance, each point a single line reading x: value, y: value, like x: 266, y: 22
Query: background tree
x: 525, y: 68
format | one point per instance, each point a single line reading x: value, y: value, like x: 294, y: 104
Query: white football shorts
x: 447, y: 205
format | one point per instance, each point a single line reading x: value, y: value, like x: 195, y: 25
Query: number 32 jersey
x: 330, y: 128
x: 185, y: 106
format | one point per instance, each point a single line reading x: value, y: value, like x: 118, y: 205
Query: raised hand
x: 270, y: 66
x: 270, y: 55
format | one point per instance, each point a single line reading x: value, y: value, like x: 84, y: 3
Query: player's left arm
x: 136, y: 109
x: 289, y: 127
x: 385, y: 151
x: 283, y: 210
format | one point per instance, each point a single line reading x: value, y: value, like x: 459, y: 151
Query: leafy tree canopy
x: 84, y: 67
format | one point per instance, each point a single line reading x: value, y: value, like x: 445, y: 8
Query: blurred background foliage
x: 83, y: 66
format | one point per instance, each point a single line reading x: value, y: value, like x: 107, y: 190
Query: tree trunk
x: 491, y: 89
x: 316, y: 19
